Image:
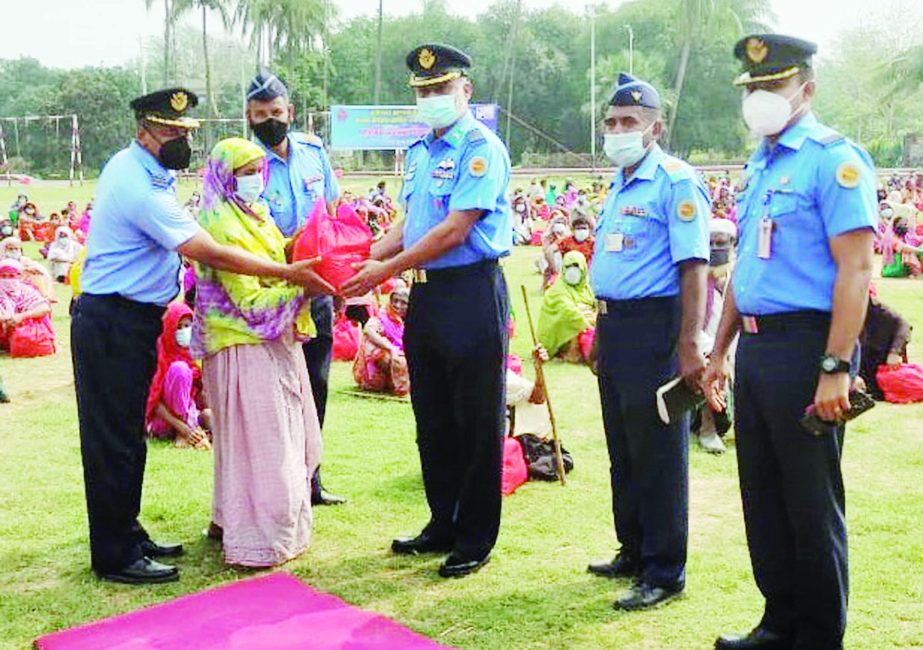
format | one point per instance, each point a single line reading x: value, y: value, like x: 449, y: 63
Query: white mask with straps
x: 626, y: 149
x: 249, y: 187
x: 767, y: 113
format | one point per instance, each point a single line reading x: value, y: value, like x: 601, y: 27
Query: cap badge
x: 179, y: 101
x: 427, y: 59
x: 636, y: 95
x: 757, y: 50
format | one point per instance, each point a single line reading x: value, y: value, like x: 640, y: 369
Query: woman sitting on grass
x: 381, y: 365
x: 25, y: 315
x: 63, y: 251
x: 567, y: 323
x: 248, y: 331
x: 175, y: 404
x: 32, y: 271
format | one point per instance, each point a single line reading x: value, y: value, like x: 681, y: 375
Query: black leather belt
x: 786, y: 322
x: 425, y: 276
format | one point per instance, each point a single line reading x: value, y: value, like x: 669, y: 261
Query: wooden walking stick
x: 540, y: 377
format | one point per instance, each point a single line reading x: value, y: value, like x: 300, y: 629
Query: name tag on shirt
x: 764, y: 245
x: 310, y: 180
x: 615, y: 242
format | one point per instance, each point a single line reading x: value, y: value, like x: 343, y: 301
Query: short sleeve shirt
x: 295, y: 185
x: 650, y: 223
x: 811, y: 187
x: 137, y: 227
x: 468, y: 168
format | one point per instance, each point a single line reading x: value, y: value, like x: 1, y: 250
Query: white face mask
x: 520, y: 207
x: 250, y: 187
x: 13, y: 254
x: 558, y: 229
x: 887, y: 213
x: 625, y: 149
x: 184, y: 336
x: 573, y: 275
x: 767, y: 113
x: 581, y: 234
x: 437, y: 111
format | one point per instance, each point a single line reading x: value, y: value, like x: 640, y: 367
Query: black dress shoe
x: 458, y: 565
x: 324, y: 498
x: 422, y: 543
x: 143, y: 572
x: 759, y: 639
x: 153, y: 549
x: 621, y: 566
x: 645, y: 596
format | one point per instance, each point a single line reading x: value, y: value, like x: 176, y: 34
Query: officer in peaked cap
x: 131, y: 273
x: 807, y: 201
x: 458, y: 226
x: 300, y: 175
x: 649, y: 274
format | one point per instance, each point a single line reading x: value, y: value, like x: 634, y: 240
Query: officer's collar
x: 149, y: 161
x: 795, y: 135
x: 647, y: 170
x: 455, y: 136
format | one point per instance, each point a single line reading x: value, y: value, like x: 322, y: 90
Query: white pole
x: 631, y: 49
x: 593, y: 85
x: 143, y: 66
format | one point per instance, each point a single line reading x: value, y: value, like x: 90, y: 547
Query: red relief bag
x: 515, y: 472
x: 340, y: 241
x: 903, y: 385
x: 346, y: 339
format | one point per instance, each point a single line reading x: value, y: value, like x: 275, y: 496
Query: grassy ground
x: 534, y: 594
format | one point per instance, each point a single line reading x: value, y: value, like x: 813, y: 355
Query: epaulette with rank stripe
x: 475, y: 135
x: 831, y: 138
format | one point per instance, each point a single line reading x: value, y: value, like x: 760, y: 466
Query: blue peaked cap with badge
x: 631, y: 91
x: 265, y: 87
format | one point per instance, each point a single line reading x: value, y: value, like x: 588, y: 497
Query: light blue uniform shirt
x: 468, y: 168
x: 296, y: 184
x: 649, y: 224
x: 814, y: 185
x: 137, y: 226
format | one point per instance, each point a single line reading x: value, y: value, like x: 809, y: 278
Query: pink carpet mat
x: 275, y: 612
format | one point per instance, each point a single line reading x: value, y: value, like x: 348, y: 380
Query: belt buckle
x: 750, y: 325
x: 602, y: 307
x: 419, y: 276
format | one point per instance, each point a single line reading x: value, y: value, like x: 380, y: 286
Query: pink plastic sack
x: 340, y: 241
x: 515, y: 472
x: 346, y: 339
x: 33, y: 338
x: 901, y: 386
x: 585, y: 341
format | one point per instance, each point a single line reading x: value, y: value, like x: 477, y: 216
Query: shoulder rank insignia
x: 848, y: 175
x: 686, y: 210
x: 478, y: 166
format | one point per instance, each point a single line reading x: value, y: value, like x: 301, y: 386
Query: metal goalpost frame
x: 76, y: 157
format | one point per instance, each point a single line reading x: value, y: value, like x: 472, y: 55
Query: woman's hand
x: 894, y: 360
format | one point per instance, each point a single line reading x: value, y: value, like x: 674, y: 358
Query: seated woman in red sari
x: 25, y: 315
x: 27, y: 221
x: 175, y: 404
x: 381, y: 365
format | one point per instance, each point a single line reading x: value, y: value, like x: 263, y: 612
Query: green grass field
x: 534, y: 594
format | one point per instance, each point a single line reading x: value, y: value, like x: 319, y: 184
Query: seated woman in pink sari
x: 25, y: 315
x: 175, y: 404
x: 381, y: 365
x: 32, y: 271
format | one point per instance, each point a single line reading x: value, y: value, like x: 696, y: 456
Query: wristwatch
x: 830, y: 364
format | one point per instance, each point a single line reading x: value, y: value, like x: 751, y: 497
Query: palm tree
x: 169, y: 35
x: 720, y: 20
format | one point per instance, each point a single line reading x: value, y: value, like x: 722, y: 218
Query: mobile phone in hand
x: 859, y: 403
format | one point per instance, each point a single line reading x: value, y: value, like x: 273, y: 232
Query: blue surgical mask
x: 437, y: 111
x: 250, y: 187
x: 184, y: 336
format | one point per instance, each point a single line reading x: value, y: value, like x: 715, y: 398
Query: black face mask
x: 176, y: 153
x: 719, y: 257
x: 271, y: 132
x: 901, y: 230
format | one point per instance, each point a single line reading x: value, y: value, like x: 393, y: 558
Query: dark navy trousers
x: 317, y: 355
x: 649, y: 460
x: 456, y: 344
x: 792, y: 488
x: 113, y: 348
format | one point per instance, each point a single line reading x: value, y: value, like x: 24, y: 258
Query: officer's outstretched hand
x: 370, y: 274
x: 831, y: 401
x: 714, y: 382
x: 691, y: 363
x: 302, y: 273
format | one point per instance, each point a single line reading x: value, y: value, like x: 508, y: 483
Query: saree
x: 567, y: 311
